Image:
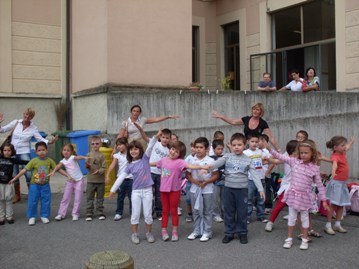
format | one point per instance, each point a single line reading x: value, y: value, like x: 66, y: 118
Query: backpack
x: 354, y: 199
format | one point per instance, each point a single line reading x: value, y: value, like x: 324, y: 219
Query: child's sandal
x: 314, y: 233
x: 300, y: 237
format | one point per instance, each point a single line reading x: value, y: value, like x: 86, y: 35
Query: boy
x: 96, y: 165
x: 256, y: 155
x: 237, y: 168
x: 189, y: 158
x: 201, y: 192
x: 218, y: 147
x: 160, y: 150
x: 267, y: 172
x: 218, y: 135
x: 39, y: 188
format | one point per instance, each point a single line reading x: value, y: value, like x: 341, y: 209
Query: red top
x: 342, y: 172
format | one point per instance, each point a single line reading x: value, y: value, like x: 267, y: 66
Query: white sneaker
x: 179, y: 211
x: 59, y: 218
x: 45, y: 220
x: 288, y: 243
x: 286, y: 217
x: 75, y: 218
x: 117, y: 217
x: 218, y: 219
x: 205, y: 237
x: 89, y: 219
x: 102, y: 217
x: 135, y: 239
x: 32, y: 221
x: 269, y: 226
x: 304, y: 245
x: 193, y: 236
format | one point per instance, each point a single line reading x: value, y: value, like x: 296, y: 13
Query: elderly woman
x: 129, y: 129
x: 22, y: 132
x: 311, y: 82
x: 253, y: 124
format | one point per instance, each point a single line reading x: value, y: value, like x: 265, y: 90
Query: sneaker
x: 159, y: 218
x: 205, y: 237
x: 102, y: 217
x: 179, y: 211
x: 150, y: 238
x: 45, y: 220
x: 248, y: 221
x: 339, y: 229
x: 286, y: 217
x: 88, y: 218
x: 329, y: 230
x: 117, y: 217
x: 59, y: 218
x: 2, y: 222
x: 226, y: 239
x: 165, y: 236
x: 174, y: 237
x: 267, y: 211
x: 269, y: 226
x: 304, y: 245
x: 264, y: 220
x: 135, y: 239
x: 193, y: 236
x: 218, y: 219
x: 189, y: 218
x: 288, y: 243
x: 32, y: 221
x: 243, y: 239
x: 10, y: 221
x: 75, y: 218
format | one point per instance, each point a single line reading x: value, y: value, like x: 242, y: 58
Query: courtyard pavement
x: 68, y: 244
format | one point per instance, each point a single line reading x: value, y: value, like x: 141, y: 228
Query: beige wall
x: 148, y: 44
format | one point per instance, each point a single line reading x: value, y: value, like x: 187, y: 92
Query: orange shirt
x: 342, y: 172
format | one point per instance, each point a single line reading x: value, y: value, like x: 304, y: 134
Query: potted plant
x: 195, y: 86
x: 226, y: 81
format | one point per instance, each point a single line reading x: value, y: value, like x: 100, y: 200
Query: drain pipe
x: 68, y: 66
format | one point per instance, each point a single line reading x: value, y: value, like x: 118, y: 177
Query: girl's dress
x: 75, y: 185
x: 337, y: 191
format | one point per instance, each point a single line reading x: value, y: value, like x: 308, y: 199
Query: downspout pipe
x: 68, y: 66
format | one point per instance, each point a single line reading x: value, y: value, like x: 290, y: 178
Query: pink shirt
x: 171, y: 174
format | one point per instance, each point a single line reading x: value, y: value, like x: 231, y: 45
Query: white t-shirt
x: 196, y: 174
x: 266, y: 154
x: 72, y: 168
x: 294, y: 86
x: 158, y: 152
x: 122, y: 163
x: 256, y: 157
x: 284, y: 185
x: 133, y: 132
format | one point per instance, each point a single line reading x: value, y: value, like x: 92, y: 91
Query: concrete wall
x: 322, y: 114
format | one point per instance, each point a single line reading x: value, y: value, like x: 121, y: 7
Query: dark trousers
x: 157, y: 195
x: 235, y: 211
x: 126, y: 187
x: 91, y: 190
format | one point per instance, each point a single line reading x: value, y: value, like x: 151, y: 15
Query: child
x: 201, y: 192
x: 218, y: 208
x: 235, y: 193
x: 160, y: 150
x: 74, y: 184
x: 301, y: 135
x: 189, y: 158
x: 256, y: 156
x: 305, y: 171
x: 142, y: 194
x: 337, y: 190
x: 39, y: 188
x: 218, y: 135
x: 290, y: 150
x: 96, y: 165
x: 171, y: 168
x: 126, y: 187
x: 7, y: 191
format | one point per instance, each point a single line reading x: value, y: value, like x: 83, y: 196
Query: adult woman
x: 129, y: 129
x: 23, y: 131
x: 311, y: 82
x: 253, y: 124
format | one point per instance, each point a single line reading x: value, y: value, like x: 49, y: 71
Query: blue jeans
x: 17, y: 167
x: 39, y: 192
x: 158, y: 205
x: 126, y: 187
x: 235, y: 213
x: 253, y: 193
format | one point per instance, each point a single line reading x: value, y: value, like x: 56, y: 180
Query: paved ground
x: 69, y: 244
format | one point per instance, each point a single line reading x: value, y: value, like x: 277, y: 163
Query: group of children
x: 220, y: 185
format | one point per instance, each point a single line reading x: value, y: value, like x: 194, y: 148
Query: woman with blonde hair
x: 253, y: 124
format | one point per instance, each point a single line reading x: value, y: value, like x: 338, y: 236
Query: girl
x: 7, y: 162
x: 337, y: 190
x: 126, y: 187
x: 298, y: 196
x: 74, y: 183
x: 170, y: 188
x: 139, y: 167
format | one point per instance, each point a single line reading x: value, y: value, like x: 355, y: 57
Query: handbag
x: 8, y: 138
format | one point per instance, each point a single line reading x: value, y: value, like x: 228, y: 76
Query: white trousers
x: 142, y: 197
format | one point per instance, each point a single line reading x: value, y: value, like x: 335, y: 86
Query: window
x: 231, y: 53
x: 195, y: 54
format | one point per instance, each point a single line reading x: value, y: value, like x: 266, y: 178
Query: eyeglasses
x: 95, y: 144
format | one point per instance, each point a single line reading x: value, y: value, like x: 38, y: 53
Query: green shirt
x: 40, y: 169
